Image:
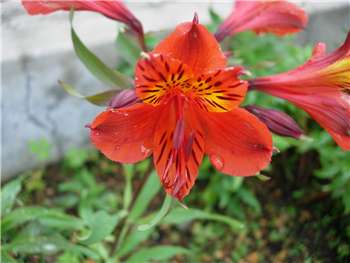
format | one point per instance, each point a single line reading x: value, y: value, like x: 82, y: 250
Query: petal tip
x: 145, y: 55
x: 195, y: 20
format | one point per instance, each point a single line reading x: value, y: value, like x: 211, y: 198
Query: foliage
x: 68, y: 225
x: 88, y: 209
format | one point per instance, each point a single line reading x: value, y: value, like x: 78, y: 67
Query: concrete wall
x: 37, y: 51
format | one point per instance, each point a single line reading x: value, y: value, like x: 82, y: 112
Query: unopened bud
x: 228, y: 54
x: 278, y: 122
x: 124, y: 98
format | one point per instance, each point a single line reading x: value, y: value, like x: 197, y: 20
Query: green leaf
x: 147, y: 193
x: 6, y: 258
x: 101, y: 224
x: 48, y: 217
x: 99, y: 99
x: 236, y: 183
x: 156, y: 253
x: 262, y: 177
x: 248, y: 197
x: 47, y: 245
x: 95, y: 65
x: 132, y: 240
x: 127, y: 195
x: 75, y: 158
x: 68, y: 256
x: 215, y: 20
x: 9, y: 193
x: 181, y: 215
x: 41, y: 148
x: 128, y: 47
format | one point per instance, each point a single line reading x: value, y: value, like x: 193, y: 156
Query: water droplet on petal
x: 145, y: 151
x: 126, y: 114
x: 275, y: 150
x: 217, y: 161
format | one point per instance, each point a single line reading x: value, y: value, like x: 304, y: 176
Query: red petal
x: 113, y: 9
x: 237, y: 142
x: 195, y: 46
x: 333, y: 114
x: 321, y: 73
x: 279, y: 17
x: 125, y: 135
x: 320, y: 60
x: 158, y: 76
x: 331, y: 111
x: 319, y: 50
x: 220, y: 90
x: 178, y: 148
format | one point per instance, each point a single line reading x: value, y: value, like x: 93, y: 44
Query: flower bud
x: 278, y: 122
x: 124, y: 98
x: 261, y: 16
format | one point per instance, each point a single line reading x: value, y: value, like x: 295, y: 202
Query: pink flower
x: 113, y: 9
x: 278, y: 17
x: 321, y: 87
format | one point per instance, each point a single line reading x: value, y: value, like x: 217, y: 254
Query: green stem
x: 128, y: 203
x: 128, y: 174
x: 122, y: 236
x: 159, y: 216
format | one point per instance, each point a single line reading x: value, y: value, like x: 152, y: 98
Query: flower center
x: 159, y: 78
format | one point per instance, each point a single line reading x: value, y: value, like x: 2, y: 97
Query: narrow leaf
x: 48, y: 217
x: 181, y: 215
x: 127, y: 195
x: 262, y: 177
x: 147, y: 193
x: 99, y: 99
x: 101, y: 224
x: 47, y: 245
x: 128, y: 48
x: 156, y: 253
x: 95, y: 65
x: 133, y: 239
x: 248, y: 197
x: 9, y: 193
x: 7, y: 258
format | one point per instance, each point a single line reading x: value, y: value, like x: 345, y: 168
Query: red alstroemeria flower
x: 321, y: 87
x: 189, y: 108
x: 113, y: 9
x: 278, y: 17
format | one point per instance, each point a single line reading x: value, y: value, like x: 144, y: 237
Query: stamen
x: 188, y: 148
x: 179, y: 133
x: 195, y: 19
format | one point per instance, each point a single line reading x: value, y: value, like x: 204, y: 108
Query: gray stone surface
x: 37, y: 51
x: 327, y: 25
x: 35, y: 107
